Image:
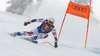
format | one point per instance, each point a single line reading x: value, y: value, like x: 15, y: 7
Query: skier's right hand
x: 26, y: 23
x: 55, y: 45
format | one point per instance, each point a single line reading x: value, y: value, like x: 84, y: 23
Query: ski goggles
x: 50, y: 22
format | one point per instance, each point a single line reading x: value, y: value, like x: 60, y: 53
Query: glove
x: 26, y: 23
x: 55, y: 45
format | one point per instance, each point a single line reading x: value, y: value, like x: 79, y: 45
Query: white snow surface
x: 71, y: 42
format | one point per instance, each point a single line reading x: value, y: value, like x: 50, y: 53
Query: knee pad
x: 18, y: 33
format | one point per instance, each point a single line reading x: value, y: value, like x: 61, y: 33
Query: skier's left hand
x: 55, y: 45
x: 26, y: 23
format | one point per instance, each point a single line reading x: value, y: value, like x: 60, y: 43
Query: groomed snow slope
x: 10, y: 46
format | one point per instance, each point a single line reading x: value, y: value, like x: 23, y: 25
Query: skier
x: 41, y: 32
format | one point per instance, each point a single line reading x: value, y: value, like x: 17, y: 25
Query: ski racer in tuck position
x: 41, y: 32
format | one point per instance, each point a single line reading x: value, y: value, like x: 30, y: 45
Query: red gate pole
x: 63, y: 22
x: 86, y: 34
x: 87, y: 26
x: 61, y: 27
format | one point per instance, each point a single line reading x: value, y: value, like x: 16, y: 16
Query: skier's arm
x: 55, y: 37
x: 37, y: 20
x: 33, y: 20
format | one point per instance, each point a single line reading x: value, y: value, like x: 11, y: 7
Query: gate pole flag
x: 82, y: 11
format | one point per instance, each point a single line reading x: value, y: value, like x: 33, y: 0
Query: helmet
x: 51, y: 19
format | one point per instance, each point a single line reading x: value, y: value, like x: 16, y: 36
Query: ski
x: 28, y: 38
x: 31, y: 40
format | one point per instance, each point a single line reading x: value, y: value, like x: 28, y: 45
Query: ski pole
x: 29, y: 18
x: 47, y: 42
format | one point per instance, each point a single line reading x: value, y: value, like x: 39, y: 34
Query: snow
x: 96, y: 9
x: 71, y: 42
x: 3, y: 5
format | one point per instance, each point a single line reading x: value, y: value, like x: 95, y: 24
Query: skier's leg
x: 33, y: 32
x: 25, y: 33
x: 40, y: 36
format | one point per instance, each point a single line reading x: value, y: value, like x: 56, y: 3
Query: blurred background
x: 26, y: 7
x: 30, y: 7
x: 20, y: 7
